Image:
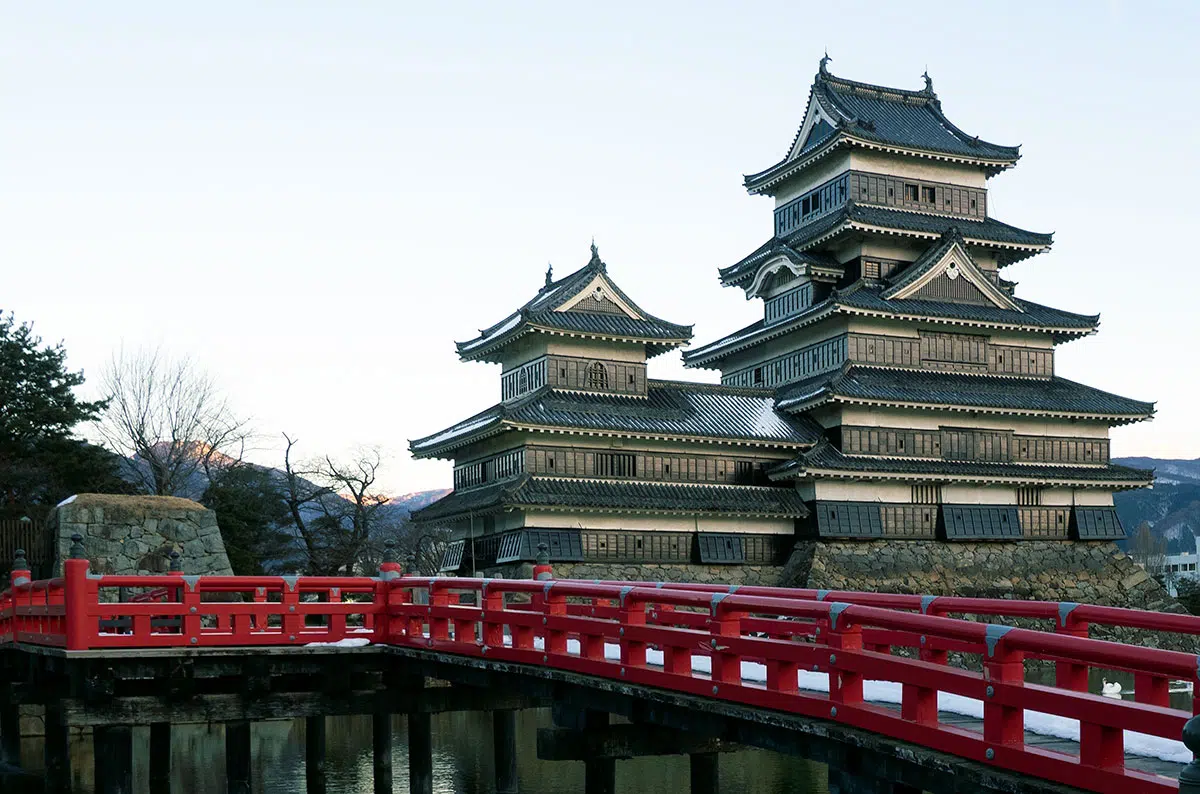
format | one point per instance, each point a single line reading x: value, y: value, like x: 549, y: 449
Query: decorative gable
x: 947, y: 272
x: 599, y: 297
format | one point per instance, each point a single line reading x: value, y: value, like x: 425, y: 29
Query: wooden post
x: 599, y: 774
x: 705, y: 777
x: 160, y: 758
x: 420, y: 753
x: 57, y: 751
x: 504, y: 741
x: 381, y: 737
x: 112, y: 750
x: 10, y: 734
x: 237, y: 756
x: 314, y: 754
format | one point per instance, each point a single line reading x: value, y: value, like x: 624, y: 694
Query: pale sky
x: 316, y: 199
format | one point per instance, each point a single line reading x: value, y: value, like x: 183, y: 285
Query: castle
x: 896, y: 402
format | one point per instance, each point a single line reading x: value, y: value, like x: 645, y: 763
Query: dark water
x: 462, y: 761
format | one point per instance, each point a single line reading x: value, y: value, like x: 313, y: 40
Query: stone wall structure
x: 136, y: 534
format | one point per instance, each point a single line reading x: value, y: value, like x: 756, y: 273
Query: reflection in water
x: 462, y: 761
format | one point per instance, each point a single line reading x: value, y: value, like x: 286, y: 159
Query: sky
x: 314, y: 200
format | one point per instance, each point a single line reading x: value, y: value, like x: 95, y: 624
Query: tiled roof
x: 827, y: 458
x: 865, y: 114
x: 671, y: 409
x: 541, y: 312
x: 609, y: 495
x: 867, y: 297
x: 951, y: 389
x: 854, y: 214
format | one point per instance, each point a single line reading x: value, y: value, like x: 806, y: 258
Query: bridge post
x: 599, y: 774
x: 10, y: 734
x: 57, y: 751
x: 420, y: 753
x: 160, y: 758
x: 705, y: 777
x: 541, y: 567
x: 112, y: 748
x: 381, y: 745
x: 504, y: 742
x: 1189, y: 778
x: 237, y: 756
x: 314, y: 754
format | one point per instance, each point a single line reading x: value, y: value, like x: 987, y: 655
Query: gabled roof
x: 1011, y: 243
x: 865, y: 298
x: 843, y: 112
x: 881, y: 386
x: 556, y: 310
x: 670, y: 410
x: 551, y: 493
x: 950, y: 257
x: 825, y: 460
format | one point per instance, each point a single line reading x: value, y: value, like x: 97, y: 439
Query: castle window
x: 758, y: 376
x: 972, y: 203
x: 550, y: 462
x: 926, y: 494
x: 910, y: 193
x: 597, y: 376
x: 929, y: 195
x: 891, y: 192
x: 1029, y: 497
x: 562, y: 374
x: 632, y: 378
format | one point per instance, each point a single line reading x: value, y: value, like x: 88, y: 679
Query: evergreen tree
x: 40, y: 460
x: 253, y: 517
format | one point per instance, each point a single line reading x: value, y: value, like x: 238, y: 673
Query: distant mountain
x: 1172, y: 506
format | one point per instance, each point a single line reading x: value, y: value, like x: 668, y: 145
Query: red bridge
x: 859, y: 680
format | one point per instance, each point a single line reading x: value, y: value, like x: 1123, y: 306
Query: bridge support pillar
x: 842, y: 781
x: 504, y: 741
x: 10, y: 734
x: 237, y: 756
x: 705, y: 778
x: 57, y: 751
x: 420, y: 753
x: 381, y: 744
x: 599, y: 774
x: 314, y: 754
x: 160, y: 758
x: 112, y: 749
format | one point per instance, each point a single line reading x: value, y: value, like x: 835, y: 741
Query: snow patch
x: 67, y: 501
x: 456, y: 431
x: 349, y: 642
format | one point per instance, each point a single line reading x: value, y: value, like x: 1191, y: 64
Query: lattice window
x: 927, y: 494
x: 616, y: 464
x: 1029, y: 497
x: 597, y: 376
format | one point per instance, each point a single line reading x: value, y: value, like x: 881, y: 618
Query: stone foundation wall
x: 135, y: 534
x: 1090, y: 573
x: 648, y: 572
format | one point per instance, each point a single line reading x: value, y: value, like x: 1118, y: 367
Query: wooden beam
x: 141, y: 710
x: 624, y: 741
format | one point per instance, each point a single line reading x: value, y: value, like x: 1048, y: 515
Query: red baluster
x: 1070, y: 675
x: 1002, y: 723
x: 1153, y: 690
x: 725, y: 624
x: 631, y: 615
x: 844, y: 637
x: 78, y: 625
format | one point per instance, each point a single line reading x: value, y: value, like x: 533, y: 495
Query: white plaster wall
x: 811, y: 177
x: 913, y: 168
x: 932, y: 420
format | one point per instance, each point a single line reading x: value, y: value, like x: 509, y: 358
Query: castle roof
x: 865, y: 298
x: 1050, y: 397
x: 558, y: 308
x: 843, y: 112
x: 1010, y: 243
x: 669, y: 410
x: 609, y: 496
x: 826, y: 460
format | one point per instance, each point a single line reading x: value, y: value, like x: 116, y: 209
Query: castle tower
x: 886, y: 321
x: 588, y: 455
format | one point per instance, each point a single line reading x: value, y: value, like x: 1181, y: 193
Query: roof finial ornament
x: 596, y: 261
x: 928, y: 82
x: 824, y: 60
x: 549, y: 274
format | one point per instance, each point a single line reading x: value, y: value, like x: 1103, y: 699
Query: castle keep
x: 895, y: 391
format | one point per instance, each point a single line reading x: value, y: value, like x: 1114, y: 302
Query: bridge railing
x: 719, y: 658
x: 1068, y: 618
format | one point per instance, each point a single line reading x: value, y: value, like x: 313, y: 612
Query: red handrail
x: 568, y: 624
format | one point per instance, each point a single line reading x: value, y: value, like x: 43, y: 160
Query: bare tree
x: 1149, y: 551
x: 335, y: 509
x: 169, y: 419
